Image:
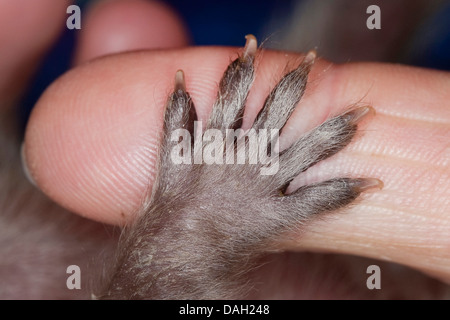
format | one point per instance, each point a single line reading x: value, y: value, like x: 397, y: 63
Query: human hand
x: 91, y: 141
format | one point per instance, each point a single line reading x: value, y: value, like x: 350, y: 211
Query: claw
x: 180, y: 83
x: 250, y: 46
x: 361, y: 185
x: 356, y: 115
x: 310, y: 57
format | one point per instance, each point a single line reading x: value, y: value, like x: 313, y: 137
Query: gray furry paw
x: 219, y: 202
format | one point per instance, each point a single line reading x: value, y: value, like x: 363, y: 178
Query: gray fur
x: 205, y: 226
x: 283, y: 99
x: 321, y: 143
x: 234, y: 86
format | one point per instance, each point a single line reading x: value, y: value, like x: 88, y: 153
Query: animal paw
x: 219, y: 200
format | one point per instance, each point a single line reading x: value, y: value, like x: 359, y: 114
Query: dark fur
x: 205, y: 226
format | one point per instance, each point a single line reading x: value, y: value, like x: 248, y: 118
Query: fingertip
x: 24, y: 163
x: 28, y: 28
x: 91, y: 141
x: 119, y: 25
